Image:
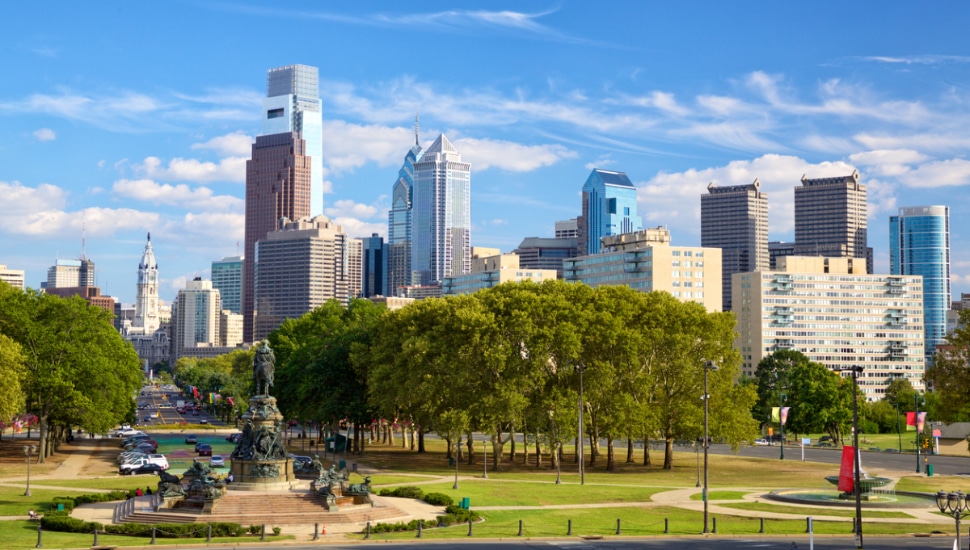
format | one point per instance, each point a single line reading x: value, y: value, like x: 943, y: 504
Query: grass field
x: 23, y: 534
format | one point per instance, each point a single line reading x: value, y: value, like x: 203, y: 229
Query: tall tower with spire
x: 399, y: 221
x: 146, y: 319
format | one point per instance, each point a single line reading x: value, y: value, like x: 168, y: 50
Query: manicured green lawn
x: 720, y: 495
x: 23, y: 534
x: 933, y: 484
x: 819, y: 511
x: 498, y: 493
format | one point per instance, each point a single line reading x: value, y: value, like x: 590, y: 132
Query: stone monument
x: 259, y: 461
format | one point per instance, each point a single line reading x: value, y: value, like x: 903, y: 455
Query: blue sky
x: 135, y: 117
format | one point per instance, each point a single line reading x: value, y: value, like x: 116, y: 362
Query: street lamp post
x: 899, y: 432
x: 954, y: 504
x: 916, y: 400
x: 781, y: 420
x: 708, y: 366
x: 29, y: 450
x: 857, y: 487
x: 581, y: 368
x: 457, y: 447
x: 697, y: 459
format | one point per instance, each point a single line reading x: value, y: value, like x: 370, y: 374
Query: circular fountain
x: 872, y: 495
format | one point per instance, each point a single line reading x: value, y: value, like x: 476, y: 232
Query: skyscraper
x: 441, y: 219
x: 227, y: 276
x: 196, y: 318
x: 374, y: 266
x: 292, y: 104
x: 919, y: 244
x: 146, y: 319
x: 830, y: 218
x: 70, y: 274
x: 735, y: 219
x: 277, y: 186
x: 609, y: 208
x: 399, y: 222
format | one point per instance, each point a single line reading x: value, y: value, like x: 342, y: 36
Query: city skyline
x: 101, y: 129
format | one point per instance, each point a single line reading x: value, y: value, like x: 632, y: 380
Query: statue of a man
x: 264, y: 365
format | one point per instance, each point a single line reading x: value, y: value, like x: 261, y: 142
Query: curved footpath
x: 76, y: 462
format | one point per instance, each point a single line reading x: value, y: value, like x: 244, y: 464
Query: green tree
x: 900, y: 393
x: 773, y: 375
x: 950, y: 375
x: 12, y: 373
x: 818, y: 399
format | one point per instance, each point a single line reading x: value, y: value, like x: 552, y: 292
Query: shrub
x: 277, y: 530
x: 254, y: 529
x: 68, y: 524
x: 68, y: 503
x: 403, y: 492
x: 401, y: 526
x: 163, y: 530
x: 438, y: 499
x: 456, y: 514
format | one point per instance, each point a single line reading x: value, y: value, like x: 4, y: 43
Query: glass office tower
x: 919, y: 244
x: 227, y: 275
x: 609, y: 208
x: 292, y: 104
x: 399, y: 222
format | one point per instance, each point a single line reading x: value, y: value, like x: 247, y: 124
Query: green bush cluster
x: 163, y: 530
x: 97, y: 497
x: 438, y: 499
x: 401, y: 526
x: 403, y: 492
x: 68, y: 503
x: 456, y: 514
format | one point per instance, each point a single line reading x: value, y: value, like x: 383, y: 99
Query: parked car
x: 233, y: 438
x: 217, y: 462
x: 199, y: 444
x: 148, y: 468
x: 130, y: 455
x: 761, y: 442
x: 127, y: 432
x: 204, y: 449
x: 156, y: 459
x: 195, y: 412
x: 191, y: 439
x: 204, y: 420
x: 825, y: 438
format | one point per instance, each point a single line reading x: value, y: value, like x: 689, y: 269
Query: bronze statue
x: 264, y: 365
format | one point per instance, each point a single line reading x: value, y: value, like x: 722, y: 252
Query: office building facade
x: 292, y: 104
x: 919, y: 244
x: 227, y: 276
x: 830, y: 218
x: 836, y: 314
x: 735, y: 219
x: 299, y: 267
x: 645, y: 261
x: 491, y: 271
x: 399, y: 222
x: 13, y: 277
x: 543, y: 253
x: 609, y: 208
x: 374, y: 266
x: 441, y: 218
x: 70, y: 274
x: 196, y: 317
x: 277, y: 186
x: 567, y: 229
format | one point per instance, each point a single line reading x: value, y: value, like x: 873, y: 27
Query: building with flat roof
x: 644, y: 260
x: 91, y: 294
x: 831, y: 218
x: 735, y: 219
x: 227, y: 276
x: 919, y: 244
x: 836, y: 314
x: 392, y: 302
x: 13, y: 277
x: 545, y: 253
x: 195, y: 318
x: 609, y: 208
x: 70, y: 274
x: 374, y: 266
x: 491, y: 271
x: 567, y: 229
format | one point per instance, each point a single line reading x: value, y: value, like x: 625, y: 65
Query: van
x: 157, y: 459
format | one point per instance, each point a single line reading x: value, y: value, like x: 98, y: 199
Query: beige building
x: 196, y: 318
x: 490, y: 271
x: 831, y: 218
x: 644, y: 260
x: 392, y: 302
x: 837, y: 315
x: 13, y: 277
x: 300, y: 267
x: 230, y: 328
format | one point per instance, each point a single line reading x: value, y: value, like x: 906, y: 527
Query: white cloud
x: 347, y: 146
x: 44, y: 134
x: 349, y: 208
x: 674, y: 199
x: 175, y: 195
x: 230, y: 169
x: 236, y: 144
x: 359, y: 229
x: 886, y: 162
x: 507, y: 155
x: 941, y: 173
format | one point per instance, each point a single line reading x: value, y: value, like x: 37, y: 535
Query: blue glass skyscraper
x: 919, y: 244
x: 292, y: 104
x: 375, y: 266
x: 399, y: 222
x: 609, y: 208
x: 441, y: 220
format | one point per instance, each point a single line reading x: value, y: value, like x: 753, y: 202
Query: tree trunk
x: 525, y: 451
x: 497, y: 448
x: 556, y: 456
x: 471, y: 449
x: 512, y: 437
x: 610, y: 455
x: 629, y: 450
x: 669, y: 453
x: 390, y: 434
x: 404, y: 436
x: 592, y: 449
x: 646, y: 450
x: 421, y: 448
x: 576, y: 450
x: 42, y: 426
x: 448, y: 445
x: 538, y: 453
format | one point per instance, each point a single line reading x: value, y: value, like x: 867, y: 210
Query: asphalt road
x: 157, y: 398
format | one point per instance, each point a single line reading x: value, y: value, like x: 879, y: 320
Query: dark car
x: 191, y: 439
x: 204, y: 449
x: 233, y: 438
x: 199, y: 445
x: 195, y: 412
x: 143, y: 469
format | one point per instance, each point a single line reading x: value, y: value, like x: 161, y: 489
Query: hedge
x: 162, y: 530
x: 403, y: 492
x: 438, y: 499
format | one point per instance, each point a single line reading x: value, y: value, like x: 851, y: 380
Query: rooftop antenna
x: 83, y: 228
x: 416, y: 141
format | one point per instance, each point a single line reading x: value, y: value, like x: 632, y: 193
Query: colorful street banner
x: 775, y: 414
x: 910, y: 421
x: 847, y: 469
x: 212, y: 398
x: 784, y: 415
x: 920, y: 422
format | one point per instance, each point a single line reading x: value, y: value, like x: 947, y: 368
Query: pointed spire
x: 149, y: 236
x: 416, y: 141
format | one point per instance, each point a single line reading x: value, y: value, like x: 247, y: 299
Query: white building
x: 195, y: 318
x: 490, y: 271
x: 13, y: 277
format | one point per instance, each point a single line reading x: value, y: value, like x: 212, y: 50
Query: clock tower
x: 146, y: 300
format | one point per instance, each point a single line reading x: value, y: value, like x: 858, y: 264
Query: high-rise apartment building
x: 919, y: 244
x: 836, y: 314
x: 195, y: 318
x: 609, y: 208
x: 735, y: 219
x: 490, y: 271
x: 375, y: 266
x: 399, y: 222
x: 227, y: 276
x: 277, y: 186
x: 299, y: 267
x: 830, y: 218
x: 146, y: 319
x: 644, y: 260
x: 441, y: 219
x: 70, y: 274
x: 13, y: 277
x: 292, y: 104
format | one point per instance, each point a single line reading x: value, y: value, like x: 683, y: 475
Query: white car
x: 217, y: 462
x: 761, y: 442
x: 150, y: 459
x: 127, y: 432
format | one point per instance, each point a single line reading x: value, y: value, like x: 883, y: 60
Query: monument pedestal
x: 259, y: 461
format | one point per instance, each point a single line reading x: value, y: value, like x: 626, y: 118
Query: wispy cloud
x: 230, y: 169
x: 44, y: 134
x: 928, y: 59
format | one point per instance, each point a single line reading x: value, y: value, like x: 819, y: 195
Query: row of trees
x: 504, y: 360
x: 64, y: 362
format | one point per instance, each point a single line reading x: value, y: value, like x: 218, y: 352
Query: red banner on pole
x: 911, y: 419
x: 846, y: 479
